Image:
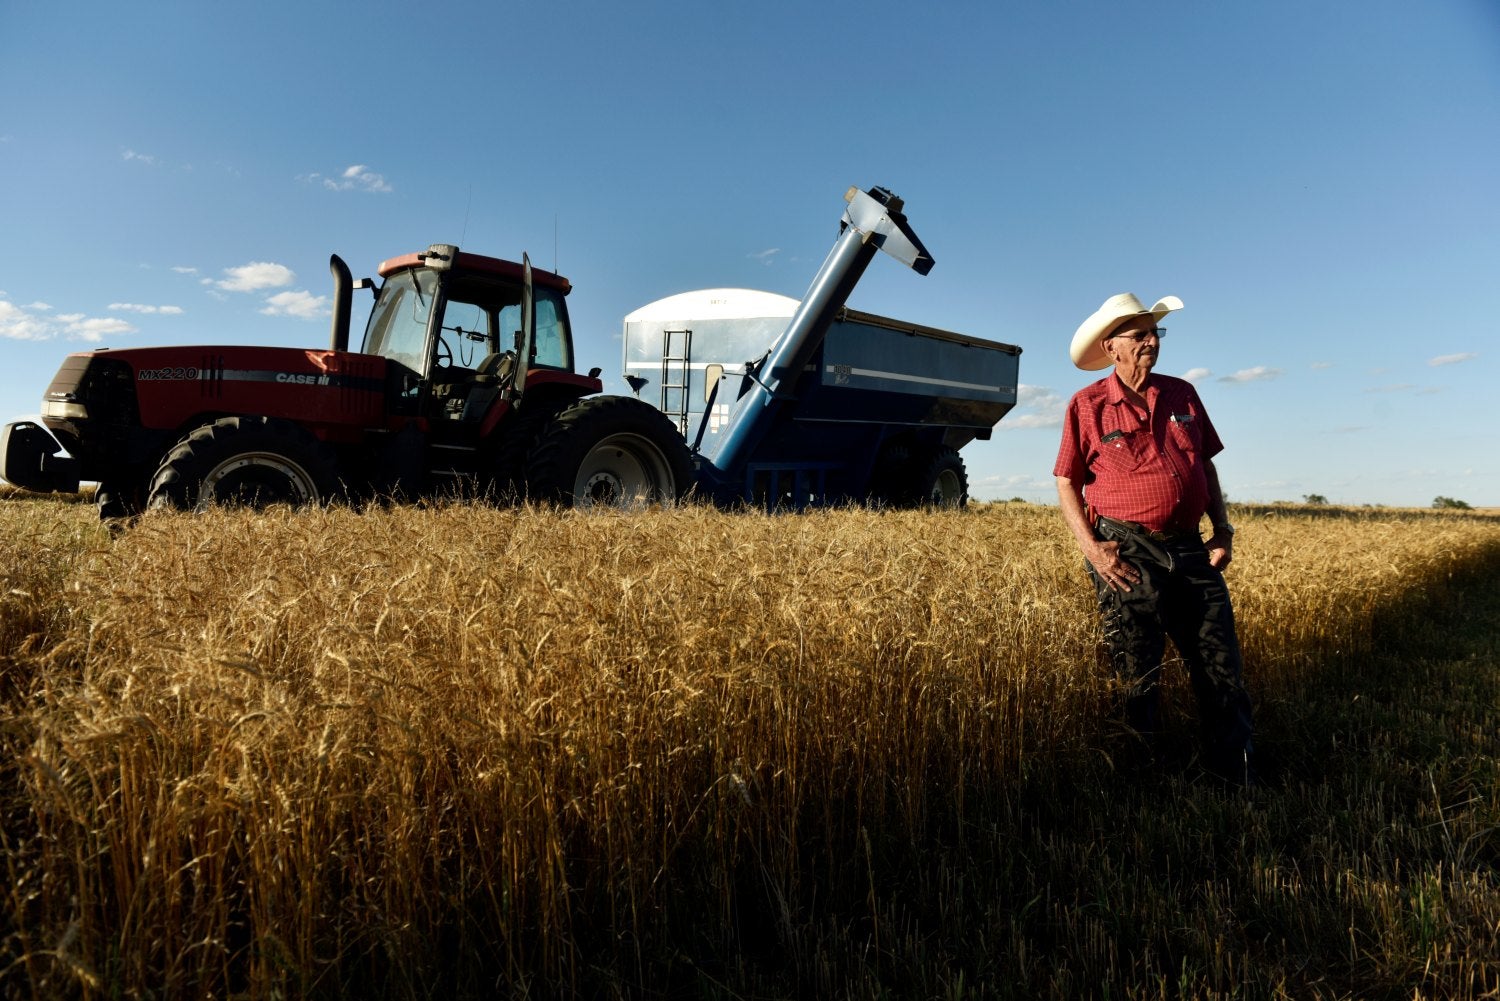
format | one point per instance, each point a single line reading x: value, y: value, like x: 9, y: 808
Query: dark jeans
x: 1179, y: 595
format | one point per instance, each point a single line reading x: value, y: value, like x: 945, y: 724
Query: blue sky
x: 1316, y: 180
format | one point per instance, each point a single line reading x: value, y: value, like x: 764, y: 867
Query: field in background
x: 471, y: 752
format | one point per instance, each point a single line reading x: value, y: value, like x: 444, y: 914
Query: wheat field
x: 462, y: 751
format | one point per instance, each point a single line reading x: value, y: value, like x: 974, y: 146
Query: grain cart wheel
x: 943, y: 482
x: 612, y: 451
x: 245, y: 461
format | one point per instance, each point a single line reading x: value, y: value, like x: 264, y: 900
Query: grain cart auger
x: 842, y: 406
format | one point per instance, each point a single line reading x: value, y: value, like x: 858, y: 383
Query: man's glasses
x: 1157, y: 332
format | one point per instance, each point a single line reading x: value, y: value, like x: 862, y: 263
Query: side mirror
x: 711, y: 377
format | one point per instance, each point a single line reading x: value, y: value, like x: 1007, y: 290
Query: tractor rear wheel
x: 245, y: 462
x: 610, y: 451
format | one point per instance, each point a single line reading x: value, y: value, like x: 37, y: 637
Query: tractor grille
x: 106, y: 388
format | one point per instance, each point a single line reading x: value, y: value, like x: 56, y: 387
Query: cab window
x: 550, y: 335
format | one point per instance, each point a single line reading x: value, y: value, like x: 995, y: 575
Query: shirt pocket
x: 1123, y: 451
x: 1186, y: 432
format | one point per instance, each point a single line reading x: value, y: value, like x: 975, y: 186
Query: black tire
x: 120, y: 498
x: 518, y: 439
x: 613, y: 451
x: 245, y: 462
x: 943, y: 482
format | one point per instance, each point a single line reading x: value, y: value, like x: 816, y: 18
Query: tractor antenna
x: 467, y: 202
x: 554, y: 243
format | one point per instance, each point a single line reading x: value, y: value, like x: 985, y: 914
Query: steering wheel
x: 443, y: 352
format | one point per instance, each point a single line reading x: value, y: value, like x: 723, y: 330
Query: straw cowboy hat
x: 1088, y: 344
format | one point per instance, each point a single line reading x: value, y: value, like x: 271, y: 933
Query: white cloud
x: 355, y: 178
x: 94, y: 329
x: 19, y: 323
x: 39, y: 307
x: 765, y: 256
x: 1030, y: 396
x: 185, y: 271
x: 303, y: 305
x: 145, y: 158
x: 1196, y: 374
x: 134, y: 307
x: 1003, y: 486
x: 1023, y: 421
x: 1394, y: 387
x: 1036, y: 407
x: 1321, y: 364
x: 1260, y: 373
x: 255, y: 276
x: 1452, y: 359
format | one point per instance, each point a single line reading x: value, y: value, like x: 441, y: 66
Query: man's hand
x: 1104, y: 557
x: 1220, y: 549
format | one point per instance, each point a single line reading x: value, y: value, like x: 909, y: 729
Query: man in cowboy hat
x: 1135, y: 476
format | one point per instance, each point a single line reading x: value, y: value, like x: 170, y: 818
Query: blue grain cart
x: 789, y: 402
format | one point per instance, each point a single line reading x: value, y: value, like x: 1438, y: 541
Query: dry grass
x: 461, y: 750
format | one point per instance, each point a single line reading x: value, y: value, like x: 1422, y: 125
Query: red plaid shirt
x: 1146, y: 468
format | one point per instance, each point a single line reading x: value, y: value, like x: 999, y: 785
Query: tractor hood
x: 178, y: 386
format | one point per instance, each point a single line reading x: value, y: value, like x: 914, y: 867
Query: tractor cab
x: 454, y: 324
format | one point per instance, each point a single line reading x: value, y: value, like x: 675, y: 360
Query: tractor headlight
x: 62, y: 408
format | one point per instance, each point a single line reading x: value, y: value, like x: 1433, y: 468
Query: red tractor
x: 465, y: 384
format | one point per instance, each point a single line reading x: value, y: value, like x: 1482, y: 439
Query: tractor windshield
x: 398, y: 323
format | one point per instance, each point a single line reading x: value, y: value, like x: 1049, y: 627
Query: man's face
x: 1128, y: 348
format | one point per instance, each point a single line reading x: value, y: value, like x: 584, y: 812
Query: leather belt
x: 1164, y: 535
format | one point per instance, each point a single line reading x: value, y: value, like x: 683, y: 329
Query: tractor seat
x: 492, y: 375
x: 496, y: 367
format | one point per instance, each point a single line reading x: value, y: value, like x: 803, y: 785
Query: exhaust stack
x: 343, y: 302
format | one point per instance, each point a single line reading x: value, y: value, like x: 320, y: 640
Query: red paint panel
x: 334, y: 393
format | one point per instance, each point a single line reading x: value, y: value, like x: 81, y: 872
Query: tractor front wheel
x: 610, y: 451
x: 120, y: 497
x: 245, y: 462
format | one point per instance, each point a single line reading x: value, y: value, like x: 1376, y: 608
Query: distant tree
x: 1018, y: 500
x: 1450, y: 504
x: 1314, y: 499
